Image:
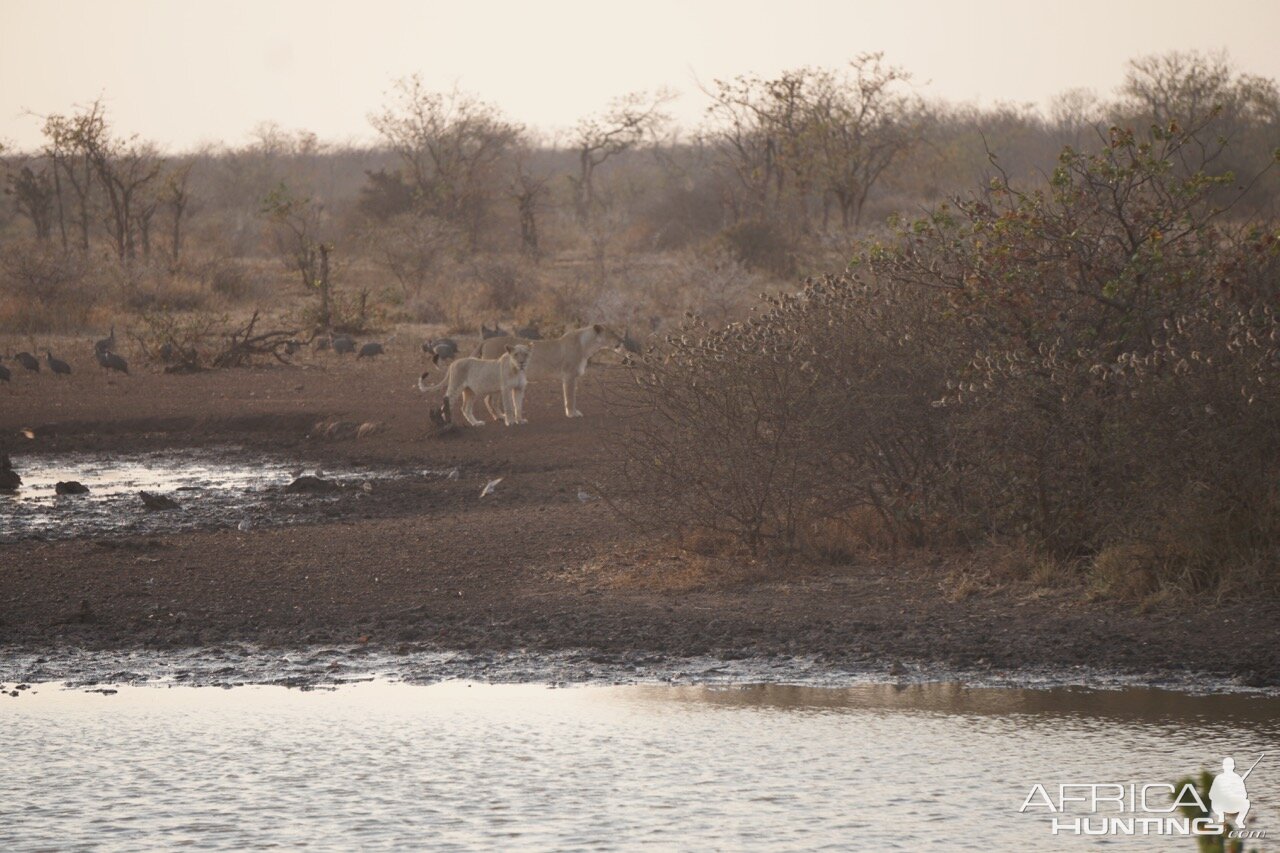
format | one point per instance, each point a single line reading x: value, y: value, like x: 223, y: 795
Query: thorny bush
x: 1092, y: 366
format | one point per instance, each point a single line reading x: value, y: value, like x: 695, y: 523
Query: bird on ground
x: 70, y: 487
x: 370, y: 350
x: 57, y: 365
x: 344, y: 344
x: 110, y: 361
x: 529, y: 332
x: 292, y: 346
x: 29, y: 361
x: 245, y: 525
x: 9, y: 478
x: 585, y: 496
x: 496, y: 332
x: 5, y: 374
x: 489, y: 487
x: 629, y: 343
x: 107, y: 344
x: 444, y: 349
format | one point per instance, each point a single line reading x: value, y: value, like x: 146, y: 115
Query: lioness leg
x: 469, y: 400
x: 518, y: 393
x: 571, y: 396
x: 510, y: 414
x: 488, y: 404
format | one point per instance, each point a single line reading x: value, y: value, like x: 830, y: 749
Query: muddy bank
x: 330, y: 666
x: 397, y: 585
x: 429, y: 566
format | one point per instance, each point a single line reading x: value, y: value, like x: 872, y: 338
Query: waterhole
x: 218, y: 487
x: 467, y: 766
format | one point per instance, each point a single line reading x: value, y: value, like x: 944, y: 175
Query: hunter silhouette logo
x: 1148, y: 808
x: 1227, y: 794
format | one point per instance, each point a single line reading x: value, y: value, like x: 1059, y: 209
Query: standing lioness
x: 564, y: 358
x: 470, y: 378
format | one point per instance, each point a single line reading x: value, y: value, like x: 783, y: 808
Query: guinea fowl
x: 4, y: 373
x: 370, y: 349
x: 441, y: 350
x: 344, y: 344
x: 496, y: 332
x: 57, y: 365
x: 29, y: 361
x: 110, y: 361
x: 107, y: 344
x: 529, y: 332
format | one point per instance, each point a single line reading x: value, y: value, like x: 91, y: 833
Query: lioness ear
x: 599, y: 329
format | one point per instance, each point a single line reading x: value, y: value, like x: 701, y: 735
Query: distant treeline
x: 785, y: 174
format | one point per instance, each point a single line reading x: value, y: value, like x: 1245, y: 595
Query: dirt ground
x: 529, y: 567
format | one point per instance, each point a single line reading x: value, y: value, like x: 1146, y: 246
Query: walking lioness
x: 564, y: 358
x: 470, y: 378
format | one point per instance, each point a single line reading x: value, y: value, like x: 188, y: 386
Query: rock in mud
x: 70, y: 487
x: 156, y: 502
x: 9, y: 479
x: 309, y: 485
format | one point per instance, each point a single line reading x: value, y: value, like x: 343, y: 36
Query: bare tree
x: 627, y: 123
x: 71, y: 163
x: 177, y: 198
x: 863, y: 121
x: 34, y: 196
x: 528, y: 190
x: 123, y: 168
x: 813, y: 131
x: 296, y: 221
x: 450, y: 145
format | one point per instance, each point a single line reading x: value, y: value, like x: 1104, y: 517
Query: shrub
x: 43, y: 289
x: 1093, y: 367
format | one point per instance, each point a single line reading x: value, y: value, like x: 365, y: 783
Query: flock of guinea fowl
x: 104, y: 351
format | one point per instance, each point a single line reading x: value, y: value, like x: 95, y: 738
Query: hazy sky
x: 182, y: 72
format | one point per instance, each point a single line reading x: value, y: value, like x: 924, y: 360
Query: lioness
x: 470, y: 378
x: 564, y: 358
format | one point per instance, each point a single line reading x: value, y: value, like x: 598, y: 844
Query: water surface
x: 454, y: 766
x: 214, y: 487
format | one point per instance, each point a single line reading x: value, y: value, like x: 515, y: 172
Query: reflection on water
x: 457, y: 766
x: 218, y: 487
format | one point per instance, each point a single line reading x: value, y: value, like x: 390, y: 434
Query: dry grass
x: 667, y: 567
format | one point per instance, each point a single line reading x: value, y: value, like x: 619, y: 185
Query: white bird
x: 489, y: 487
x: 584, y: 495
x: 454, y: 473
x: 366, y: 486
x: 245, y: 525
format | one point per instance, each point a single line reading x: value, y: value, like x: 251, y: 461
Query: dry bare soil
x: 430, y: 563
